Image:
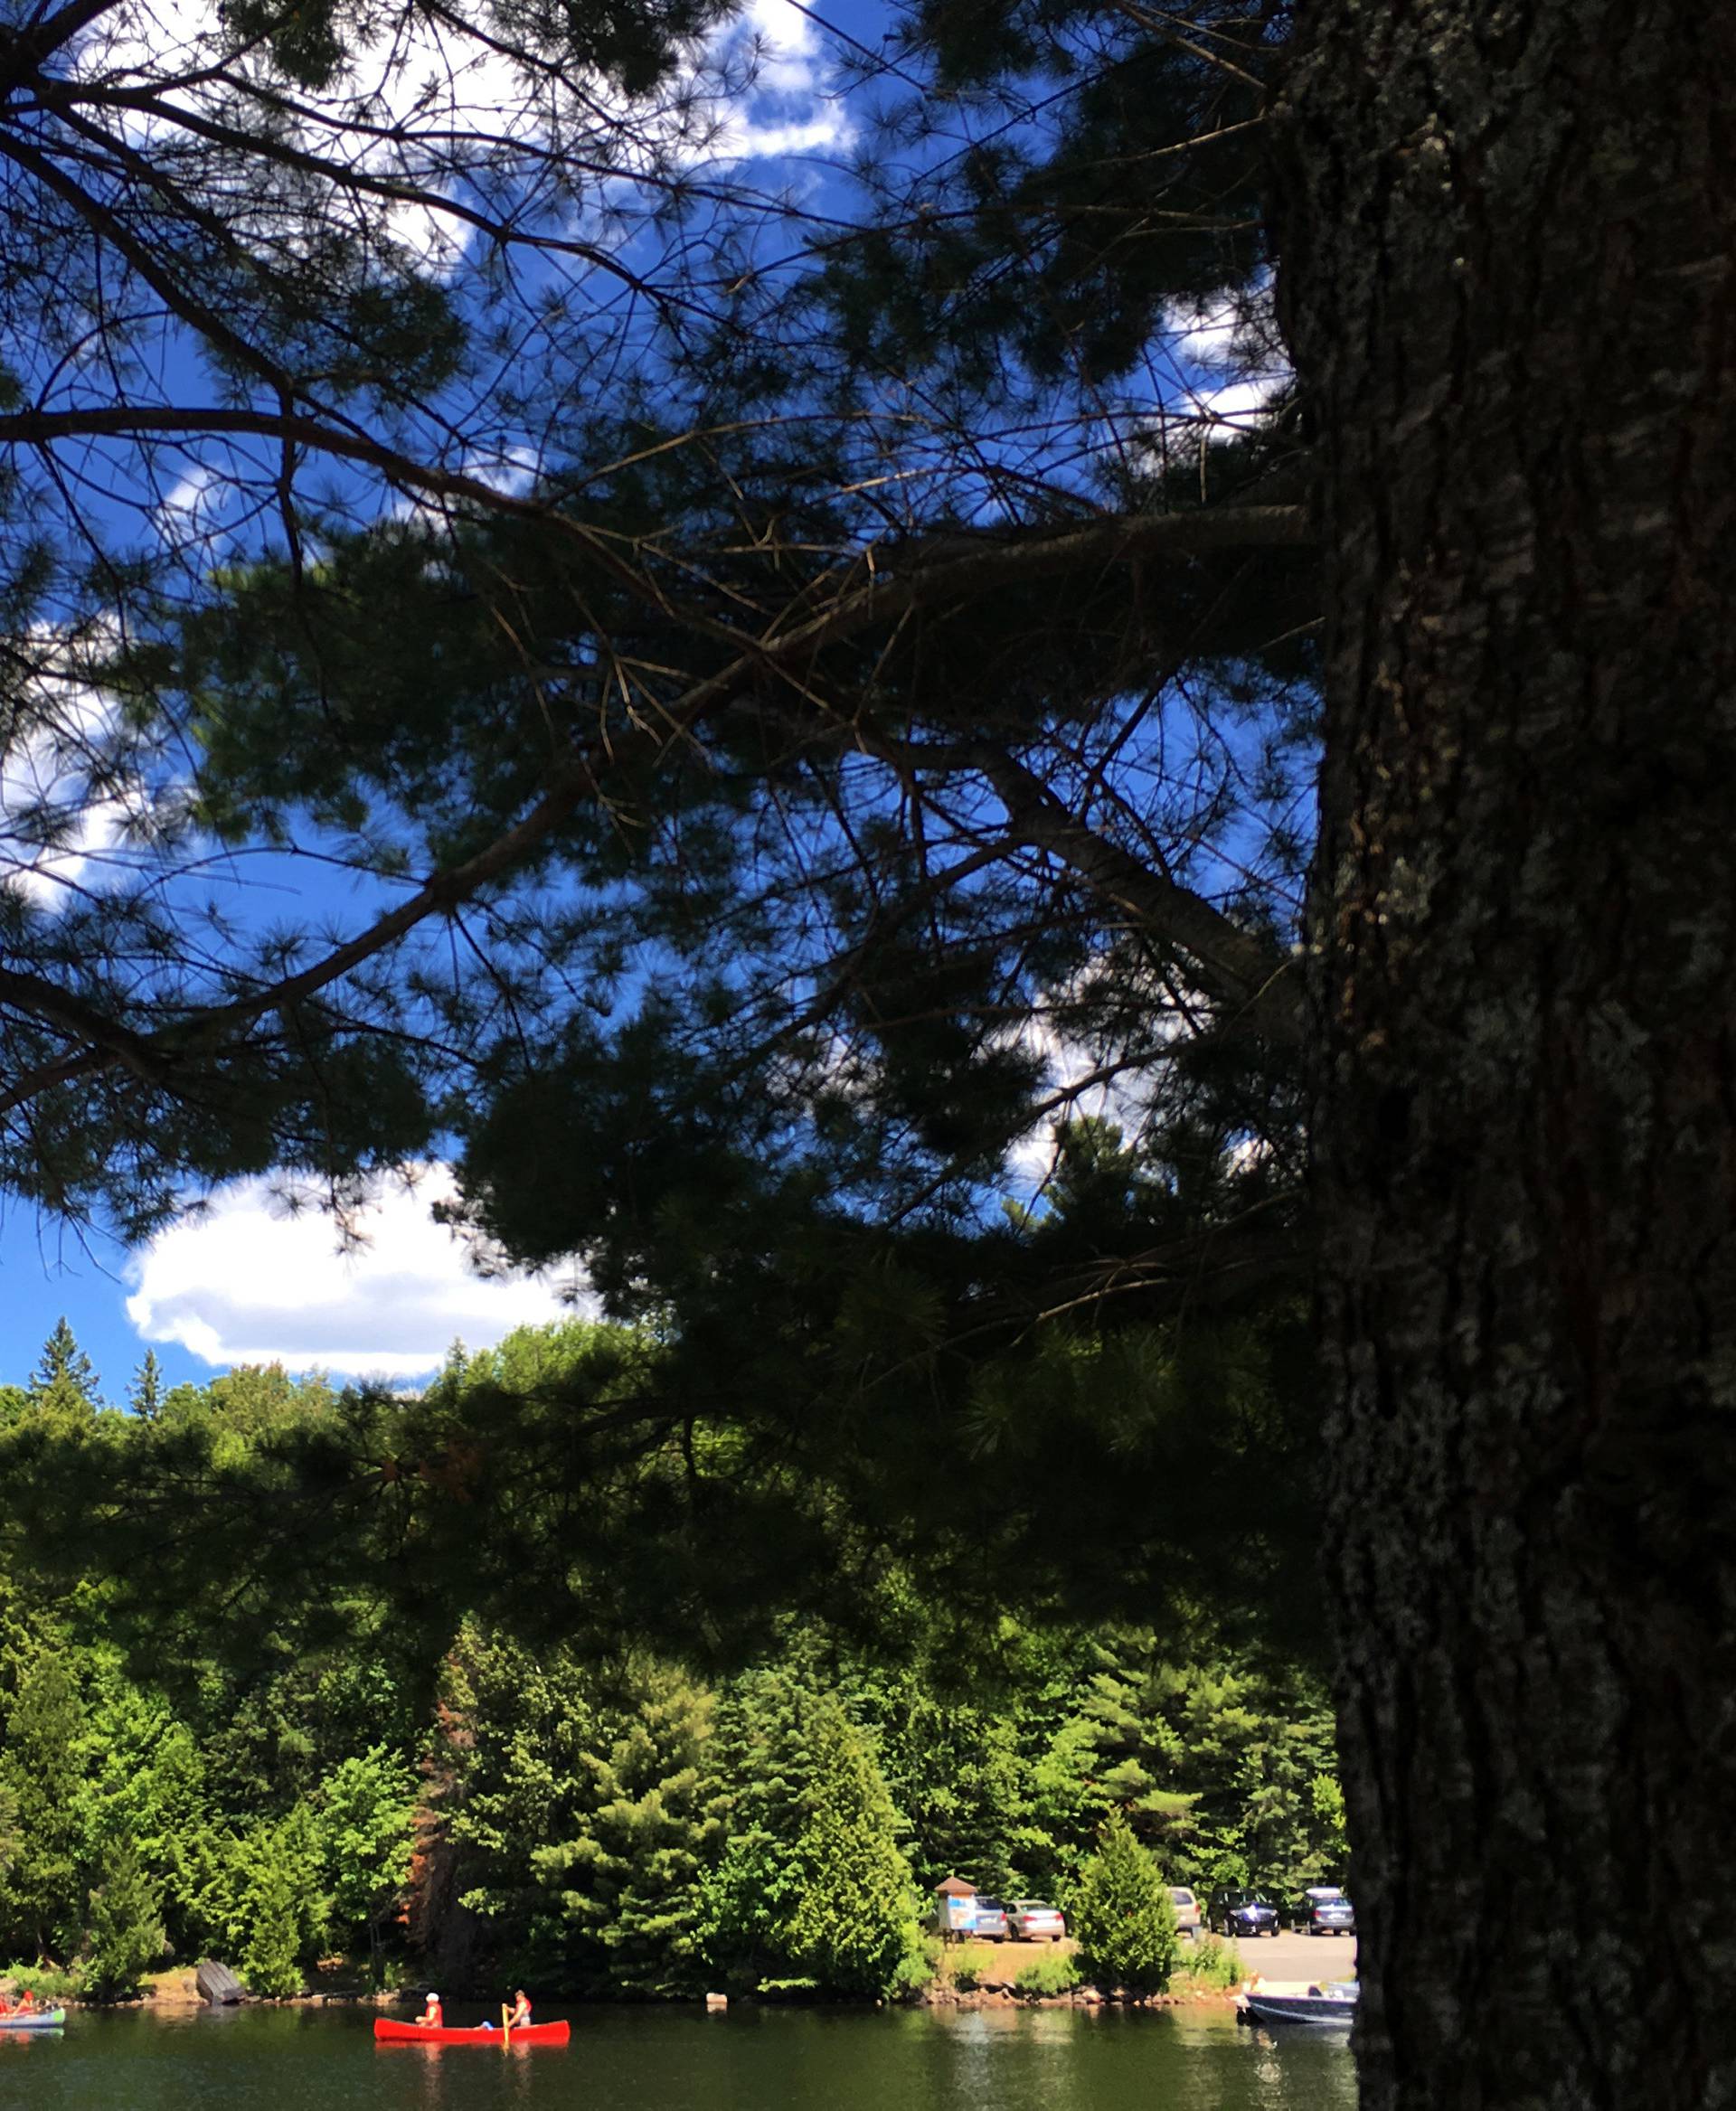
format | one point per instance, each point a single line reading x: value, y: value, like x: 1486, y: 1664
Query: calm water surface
x: 638, y: 2060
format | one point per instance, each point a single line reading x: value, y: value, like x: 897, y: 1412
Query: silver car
x: 1324, y: 1910
x: 1032, y: 1921
x: 1187, y: 1910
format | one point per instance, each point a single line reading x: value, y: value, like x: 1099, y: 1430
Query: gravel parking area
x: 1288, y: 1955
x: 1285, y: 1956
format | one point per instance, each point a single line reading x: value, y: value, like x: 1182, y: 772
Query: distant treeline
x: 602, y: 1824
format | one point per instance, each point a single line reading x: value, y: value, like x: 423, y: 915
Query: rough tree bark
x: 1509, y: 285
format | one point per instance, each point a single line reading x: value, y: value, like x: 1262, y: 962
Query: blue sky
x: 44, y: 1273
x: 250, y: 1283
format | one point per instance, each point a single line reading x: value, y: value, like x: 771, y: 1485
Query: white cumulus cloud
x: 54, y: 824
x: 247, y: 1281
x: 790, y: 62
x: 1229, y: 361
x: 791, y: 111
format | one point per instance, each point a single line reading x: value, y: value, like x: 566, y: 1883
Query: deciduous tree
x: 365, y: 1829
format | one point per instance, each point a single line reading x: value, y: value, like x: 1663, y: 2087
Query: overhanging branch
x: 1232, y: 964
x: 1236, y: 968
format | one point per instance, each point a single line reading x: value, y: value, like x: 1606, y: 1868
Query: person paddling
x: 430, y: 2019
x: 521, y: 2014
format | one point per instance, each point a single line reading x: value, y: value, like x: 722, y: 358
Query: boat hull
x: 48, y: 2019
x: 388, y: 2031
x: 1300, y: 2008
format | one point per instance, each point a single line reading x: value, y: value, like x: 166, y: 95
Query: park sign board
x: 955, y: 1907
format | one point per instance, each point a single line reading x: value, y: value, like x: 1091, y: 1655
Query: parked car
x: 1324, y: 1910
x: 1187, y: 1910
x: 1033, y: 1922
x: 991, y: 1919
x: 1244, y: 1913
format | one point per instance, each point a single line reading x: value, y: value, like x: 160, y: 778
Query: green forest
x: 324, y: 1794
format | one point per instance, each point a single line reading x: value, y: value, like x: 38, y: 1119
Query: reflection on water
x: 663, y: 2060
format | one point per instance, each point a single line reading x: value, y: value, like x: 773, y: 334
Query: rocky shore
x: 997, y: 1994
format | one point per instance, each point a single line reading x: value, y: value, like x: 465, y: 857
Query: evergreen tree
x: 1068, y: 1804
x: 43, y: 1769
x: 1331, y: 1832
x: 9, y: 1841
x: 856, y: 1921
x: 217, y: 1869
x: 64, y: 1382
x: 956, y: 1775
x: 146, y: 1392
x: 651, y: 1827
x: 1290, y: 1822
x: 513, y: 1727
x: 125, y: 1927
x: 1523, y: 1245
x: 1123, y: 1918
x: 62, y: 1361
x: 148, y: 1787
x: 272, y: 1948
x: 765, y: 1755
x: 1139, y: 1751
x: 1212, y: 1756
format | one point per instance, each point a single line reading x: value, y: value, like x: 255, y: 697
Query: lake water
x: 663, y: 2060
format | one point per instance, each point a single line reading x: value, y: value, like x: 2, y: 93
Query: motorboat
x: 1332, y: 2001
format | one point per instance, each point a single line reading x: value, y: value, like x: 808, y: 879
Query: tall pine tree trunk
x: 1508, y: 240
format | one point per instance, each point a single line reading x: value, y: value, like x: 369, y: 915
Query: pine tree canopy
x: 808, y: 694
x: 710, y: 631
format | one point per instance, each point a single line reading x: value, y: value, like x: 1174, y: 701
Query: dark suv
x: 1324, y: 1910
x: 1242, y: 1913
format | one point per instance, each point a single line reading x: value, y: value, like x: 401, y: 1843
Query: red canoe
x: 386, y: 2032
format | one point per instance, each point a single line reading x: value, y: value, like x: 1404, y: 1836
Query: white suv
x: 1187, y: 1910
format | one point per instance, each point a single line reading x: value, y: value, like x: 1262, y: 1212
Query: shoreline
x: 178, y: 1990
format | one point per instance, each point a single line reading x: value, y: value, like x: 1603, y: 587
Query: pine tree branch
x: 1233, y: 967
x: 113, y: 1043
x: 68, y: 99
x: 21, y: 52
x: 961, y: 566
